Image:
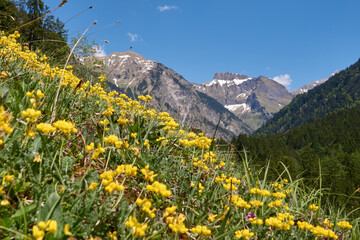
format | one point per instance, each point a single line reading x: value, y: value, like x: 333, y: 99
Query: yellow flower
x: 93, y: 185
x: 149, y: 175
x: 131, y: 222
x: 45, y: 128
x: 169, y: 211
x: 67, y: 230
x: 90, y: 147
x: 52, y: 226
x: 159, y: 188
x: 3, y: 75
x: 122, y: 121
x: 40, y: 94
x: 31, y: 115
x: 65, y: 126
x: 246, y: 234
x: 38, y: 234
x: 112, y: 235
x: 212, y: 217
x: 313, y: 207
x: 37, y: 158
x: 201, y: 230
x: 344, y: 224
x: 5, y: 203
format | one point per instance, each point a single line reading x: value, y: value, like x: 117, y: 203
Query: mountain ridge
x: 340, y: 91
x: 129, y: 72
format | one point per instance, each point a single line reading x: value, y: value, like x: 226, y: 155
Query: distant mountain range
x: 309, y: 86
x: 230, y: 103
x: 253, y: 100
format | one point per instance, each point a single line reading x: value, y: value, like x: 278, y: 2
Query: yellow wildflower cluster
x: 221, y: 178
x: 45, y: 128
x: 313, y: 207
x: 159, y: 188
x: 4, y: 74
x: 212, y: 217
x: 263, y: 192
x: 199, y: 163
x: 128, y: 169
x: 239, y: 202
x: 246, y: 234
x: 276, y: 203
x: 344, y: 224
x: 112, y: 235
x: 122, y: 121
x: 230, y: 183
x: 145, y: 98
x: 108, y: 111
x: 282, y: 221
x: 256, y: 221
x: 33, y: 101
x: 198, y: 141
x: 97, y: 151
x: 138, y: 229
x: 31, y: 115
x: 279, y: 195
x: 109, y: 183
x: 320, y: 231
x: 328, y: 223
x: 176, y: 224
x: 65, y: 126
x: 5, y: 119
x: 102, y: 78
x: 39, y: 230
x: 93, y: 185
x: 304, y: 225
x: 256, y: 203
x: 113, y: 140
x: 146, y: 205
x: 149, y: 175
x: 201, y: 230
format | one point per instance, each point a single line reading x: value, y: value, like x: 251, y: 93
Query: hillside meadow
x: 78, y: 162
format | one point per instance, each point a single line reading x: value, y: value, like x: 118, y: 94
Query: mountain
x: 131, y: 73
x: 341, y: 91
x: 253, y: 100
x: 309, y: 86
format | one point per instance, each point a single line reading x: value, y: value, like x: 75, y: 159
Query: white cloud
x: 133, y: 37
x: 99, y: 51
x: 166, y: 8
x: 284, y: 80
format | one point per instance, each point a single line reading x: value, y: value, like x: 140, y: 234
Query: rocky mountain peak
x: 229, y: 76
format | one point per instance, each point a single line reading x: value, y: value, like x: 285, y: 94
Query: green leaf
x: 4, y: 89
x: 52, y: 208
x: 23, y: 211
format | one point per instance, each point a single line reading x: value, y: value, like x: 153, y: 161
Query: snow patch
x: 227, y: 82
x: 234, y: 107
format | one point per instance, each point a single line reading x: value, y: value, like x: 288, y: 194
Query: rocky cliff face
x: 253, y: 100
x: 131, y: 73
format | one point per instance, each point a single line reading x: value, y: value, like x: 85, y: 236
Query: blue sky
x: 293, y: 41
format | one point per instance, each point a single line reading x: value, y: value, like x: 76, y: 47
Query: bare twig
x: 62, y: 75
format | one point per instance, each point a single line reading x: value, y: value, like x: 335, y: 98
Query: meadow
x: 78, y: 162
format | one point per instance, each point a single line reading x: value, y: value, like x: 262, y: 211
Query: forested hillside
x: 329, y: 147
x: 341, y: 91
x: 46, y: 34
